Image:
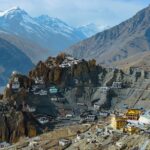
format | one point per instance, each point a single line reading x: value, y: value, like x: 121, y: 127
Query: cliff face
x: 14, y: 124
x: 53, y: 73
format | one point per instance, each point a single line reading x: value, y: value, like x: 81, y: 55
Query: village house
x: 97, y: 106
x: 42, y: 92
x: 31, y: 109
x: 27, y: 108
x: 117, y: 85
x: 4, y: 145
x: 79, y: 136
x: 147, y: 74
x: 16, y: 79
x: 53, y: 90
x: 131, y: 129
x: 118, y: 122
x: 81, y: 104
x: 39, y: 80
x: 61, y: 99
x: 104, y: 113
x: 76, y: 81
x: 120, y: 144
x: 8, y: 86
x: 68, y: 62
x: 54, y: 98
x: 14, y: 73
x: 15, y: 85
x: 90, y: 118
x: 34, y: 88
x: 104, y: 89
x: 133, y: 114
x: 43, y: 120
x: 64, y: 142
x: 69, y: 115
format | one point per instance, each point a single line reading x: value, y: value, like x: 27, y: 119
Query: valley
x: 64, y: 91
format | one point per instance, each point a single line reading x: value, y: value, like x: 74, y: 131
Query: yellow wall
x: 118, y: 122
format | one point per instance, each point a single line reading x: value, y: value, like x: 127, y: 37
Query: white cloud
x: 77, y: 12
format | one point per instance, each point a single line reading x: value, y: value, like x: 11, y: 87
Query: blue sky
x: 80, y: 12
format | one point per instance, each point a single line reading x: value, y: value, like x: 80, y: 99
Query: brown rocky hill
x: 124, y: 40
x: 140, y: 60
x: 77, y: 82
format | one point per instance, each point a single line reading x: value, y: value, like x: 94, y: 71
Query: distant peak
x: 15, y: 9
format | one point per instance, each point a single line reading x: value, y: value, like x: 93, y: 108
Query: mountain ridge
x: 116, y: 43
x: 50, y: 34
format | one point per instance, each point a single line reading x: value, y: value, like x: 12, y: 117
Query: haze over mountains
x: 12, y: 58
x: 117, y: 43
x: 33, y: 38
x: 42, y: 35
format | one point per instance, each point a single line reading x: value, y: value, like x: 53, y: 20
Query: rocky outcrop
x: 52, y: 73
x: 15, y: 124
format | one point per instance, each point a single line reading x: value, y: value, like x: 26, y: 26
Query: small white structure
x: 81, y: 104
x: 145, y: 119
x: 117, y: 85
x: 69, y: 61
x: 31, y: 109
x: 69, y: 115
x: 16, y: 79
x: 43, y: 120
x: 32, y: 144
x: 34, y: 88
x: 39, y: 80
x: 104, y: 114
x: 43, y: 93
x: 53, y: 90
x: 36, y: 93
x: 97, y: 106
x: 105, y: 89
x: 70, y: 58
x: 15, y: 85
x: 65, y: 65
x: 4, y: 145
x: 133, y: 122
x: 120, y: 144
x: 8, y: 86
x: 14, y: 73
x: 54, y: 99
x: 64, y: 142
x: 79, y: 137
x: 76, y: 81
x: 91, y: 118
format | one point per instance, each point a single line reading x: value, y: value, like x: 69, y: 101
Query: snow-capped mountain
x: 34, y: 39
x: 41, y: 36
x: 91, y: 29
x: 55, y: 25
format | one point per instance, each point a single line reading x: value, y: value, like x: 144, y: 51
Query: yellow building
x: 133, y: 114
x: 131, y: 129
x: 118, y: 122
